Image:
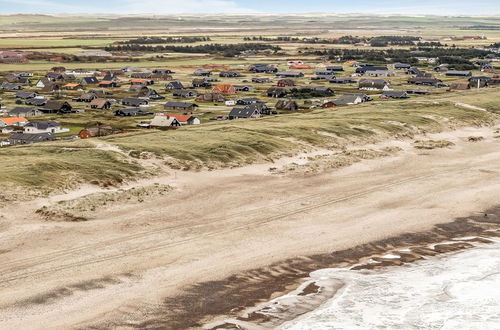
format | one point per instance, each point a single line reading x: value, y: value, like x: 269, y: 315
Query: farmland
x: 178, y: 171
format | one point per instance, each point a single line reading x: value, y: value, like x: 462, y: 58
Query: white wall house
x: 44, y: 127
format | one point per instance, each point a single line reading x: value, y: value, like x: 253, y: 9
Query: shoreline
x: 312, y: 292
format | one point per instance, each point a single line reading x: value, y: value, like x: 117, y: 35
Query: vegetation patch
x: 320, y: 163
x: 83, y: 208
x: 432, y: 144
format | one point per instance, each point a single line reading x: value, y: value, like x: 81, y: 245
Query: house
x: 55, y: 106
x: 72, y: 86
x: 300, y: 67
x: 290, y: 74
x: 25, y: 95
x: 24, y: 112
x: 348, y: 100
x: 10, y: 87
x: 334, y: 68
x: 53, y: 76
x: 342, y: 81
x: 224, y: 89
x: 134, y: 102
x: 43, y: 82
x: 229, y: 74
x: 364, y: 97
x: 174, y: 85
x: 202, y: 73
x: 146, y: 92
x: 108, y: 84
x: 23, y: 138
x: 424, y: 81
x: 162, y: 71
x: 414, y: 71
x: 373, y: 84
x: 86, y: 97
x: 96, y: 131
x: 288, y: 105
x: 380, y: 73
x: 100, y: 103
x: 261, y: 108
x: 128, y: 112
x: 185, y: 119
x: 262, y: 68
x: 44, y: 127
x: 248, y: 101
x: 201, y: 83
x: 51, y: 88
x: 294, y: 62
x: 182, y: 106
x: 441, y: 67
x: 260, y: 80
x: 13, y: 121
x: 276, y: 92
x: 325, y: 91
x: 130, y: 69
x: 185, y: 93
x: 243, y: 88
x: 142, y: 75
x: 240, y: 113
x: 455, y: 73
x: 142, y: 82
x: 89, y: 81
x: 324, y: 73
x: 210, y: 97
x: 417, y: 91
x: 285, y: 83
x: 401, y: 66
x: 365, y: 69
x: 110, y: 76
x: 479, y: 81
x: 37, y: 101
x: 459, y: 86
x: 163, y: 120
x: 394, y: 95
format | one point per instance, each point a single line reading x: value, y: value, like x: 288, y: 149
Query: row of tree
x: 166, y: 40
x: 460, y: 58
x: 380, y: 41
x: 227, y: 50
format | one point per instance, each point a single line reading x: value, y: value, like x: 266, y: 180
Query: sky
x: 419, y: 7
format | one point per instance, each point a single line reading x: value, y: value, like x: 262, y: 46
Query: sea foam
x: 460, y: 290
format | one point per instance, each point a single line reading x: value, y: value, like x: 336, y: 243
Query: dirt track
x: 215, y: 224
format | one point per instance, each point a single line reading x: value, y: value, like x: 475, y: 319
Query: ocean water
x: 452, y: 291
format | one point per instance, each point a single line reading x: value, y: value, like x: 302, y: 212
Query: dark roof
x: 371, y: 68
x: 90, y: 80
x: 36, y: 102
x: 241, y: 112
x: 25, y: 95
x: 132, y: 112
x: 55, y: 104
x: 42, y: 124
x: 395, y: 94
x: 134, y: 101
x: 174, y: 104
x: 18, y: 111
x: 30, y: 138
x: 175, y: 85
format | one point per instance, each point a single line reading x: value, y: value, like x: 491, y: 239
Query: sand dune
x: 136, y: 262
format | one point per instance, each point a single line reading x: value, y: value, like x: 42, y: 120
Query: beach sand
x: 228, y: 240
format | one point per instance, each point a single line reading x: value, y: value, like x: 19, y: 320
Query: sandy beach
x: 226, y: 240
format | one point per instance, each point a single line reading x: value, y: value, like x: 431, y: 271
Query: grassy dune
x: 49, y: 167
